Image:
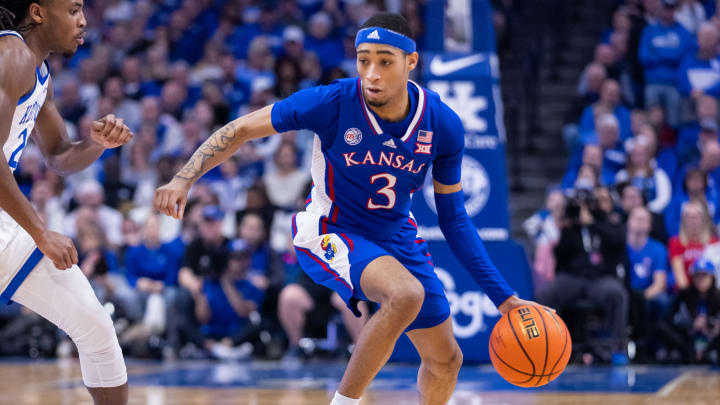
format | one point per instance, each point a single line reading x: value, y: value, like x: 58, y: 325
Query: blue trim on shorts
x: 30, y: 263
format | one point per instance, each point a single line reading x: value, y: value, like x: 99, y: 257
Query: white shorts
x: 16, y: 249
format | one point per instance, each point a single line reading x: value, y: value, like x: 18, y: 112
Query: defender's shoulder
x: 17, y: 65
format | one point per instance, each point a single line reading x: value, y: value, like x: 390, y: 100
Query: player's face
x: 384, y: 71
x: 65, y: 25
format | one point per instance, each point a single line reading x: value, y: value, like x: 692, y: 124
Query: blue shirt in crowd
x: 161, y: 263
x: 661, y: 51
x: 224, y: 321
x: 645, y: 262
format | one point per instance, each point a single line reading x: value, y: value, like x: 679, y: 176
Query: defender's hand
x: 58, y: 248
x: 171, y: 198
x: 514, y: 302
x: 110, y: 132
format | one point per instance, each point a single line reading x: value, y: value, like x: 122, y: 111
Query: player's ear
x: 37, y: 13
x: 412, y: 60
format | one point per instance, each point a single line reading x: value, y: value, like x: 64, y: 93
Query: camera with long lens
x: 578, y: 198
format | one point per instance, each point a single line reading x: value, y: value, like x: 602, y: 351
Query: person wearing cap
x: 693, y: 328
x: 227, y: 304
x: 205, y: 258
x: 375, y: 138
x: 662, y: 47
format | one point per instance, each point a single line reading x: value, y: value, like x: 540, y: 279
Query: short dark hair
x: 389, y: 21
x: 13, y: 12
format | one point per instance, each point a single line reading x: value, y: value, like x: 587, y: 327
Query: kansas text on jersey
x: 365, y: 169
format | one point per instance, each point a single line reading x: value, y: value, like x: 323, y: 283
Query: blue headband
x: 377, y: 35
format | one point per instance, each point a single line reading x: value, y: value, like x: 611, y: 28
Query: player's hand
x: 171, y: 198
x: 110, y: 132
x: 58, y: 248
x: 514, y: 302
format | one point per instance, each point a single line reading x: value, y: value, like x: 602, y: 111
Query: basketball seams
x: 531, y: 375
x: 512, y: 328
x: 564, y: 344
x: 547, y: 353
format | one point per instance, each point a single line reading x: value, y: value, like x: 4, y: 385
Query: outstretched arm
x: 66, y: 157
x: 219, y: 147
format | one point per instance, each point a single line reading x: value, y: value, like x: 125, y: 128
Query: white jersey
x: 22, y: 126
x: 26, y: 112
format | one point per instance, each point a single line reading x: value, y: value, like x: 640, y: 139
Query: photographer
x: 590, y: 250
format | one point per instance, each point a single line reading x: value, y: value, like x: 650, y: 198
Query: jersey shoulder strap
x: 4, y: 33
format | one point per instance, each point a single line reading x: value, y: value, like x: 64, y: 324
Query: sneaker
x: 294, y: 353
x: 222, y: 352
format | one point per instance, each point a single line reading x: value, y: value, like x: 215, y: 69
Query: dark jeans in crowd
x: 182, y: 326
x: 606, y: 292
x: 645, y: 316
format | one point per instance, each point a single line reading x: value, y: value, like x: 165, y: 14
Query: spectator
x: 630, y: 198
x: 694, y: 134
x: 322, y: 40
x: 662, y: 47
x: 609, y: 102
x: 588, y: 253
x: 206, y: 257
x: 544, y: 230
x: 47, y: 205
x: 695, y: 188
x: 699, y: 73
x: 286, y: 183
x: 691, y: 15
x: 694, y: 326
x: 303, y: 298
x: 647, y: 279
x: 641, y: 171
x: 90, y: 196
x: 686, y: 247
x: 227, y: 306
x: 608, y: 138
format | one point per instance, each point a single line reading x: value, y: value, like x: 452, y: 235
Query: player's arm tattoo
x: 206, y: 156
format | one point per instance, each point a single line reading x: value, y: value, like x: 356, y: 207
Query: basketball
x: 530, y: 346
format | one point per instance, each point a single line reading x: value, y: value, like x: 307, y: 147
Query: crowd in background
x: 224, y: 281
x: 627, y: 246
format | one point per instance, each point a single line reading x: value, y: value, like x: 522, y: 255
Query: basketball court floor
x: 273, y: 383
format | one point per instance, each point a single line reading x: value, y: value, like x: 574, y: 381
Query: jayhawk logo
x: 329, y: 248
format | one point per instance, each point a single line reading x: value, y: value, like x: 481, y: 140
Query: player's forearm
x: 17, y: 206
x: 73, y: 157
x: 464, y: 241
x: 219, y: 147
x: 223, y: 143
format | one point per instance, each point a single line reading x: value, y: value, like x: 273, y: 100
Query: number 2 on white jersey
x: 387, y: 191
x: 13, y: 161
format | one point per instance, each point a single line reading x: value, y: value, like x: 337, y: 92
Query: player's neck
x: 396, y: 109
x: 35, y: 42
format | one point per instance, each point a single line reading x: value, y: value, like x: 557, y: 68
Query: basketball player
x: 38, y: 267
x: 376, y: 138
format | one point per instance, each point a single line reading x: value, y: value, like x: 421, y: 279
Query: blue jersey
x: 365, y: 169
x: 645, y: 262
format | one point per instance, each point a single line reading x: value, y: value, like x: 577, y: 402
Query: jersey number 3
x: 14, y: 157
x: 387, y: 191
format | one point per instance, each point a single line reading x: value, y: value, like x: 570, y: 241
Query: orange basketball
x: 530, y: 346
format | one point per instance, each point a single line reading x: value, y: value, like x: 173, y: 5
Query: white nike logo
x: 438, y: 67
